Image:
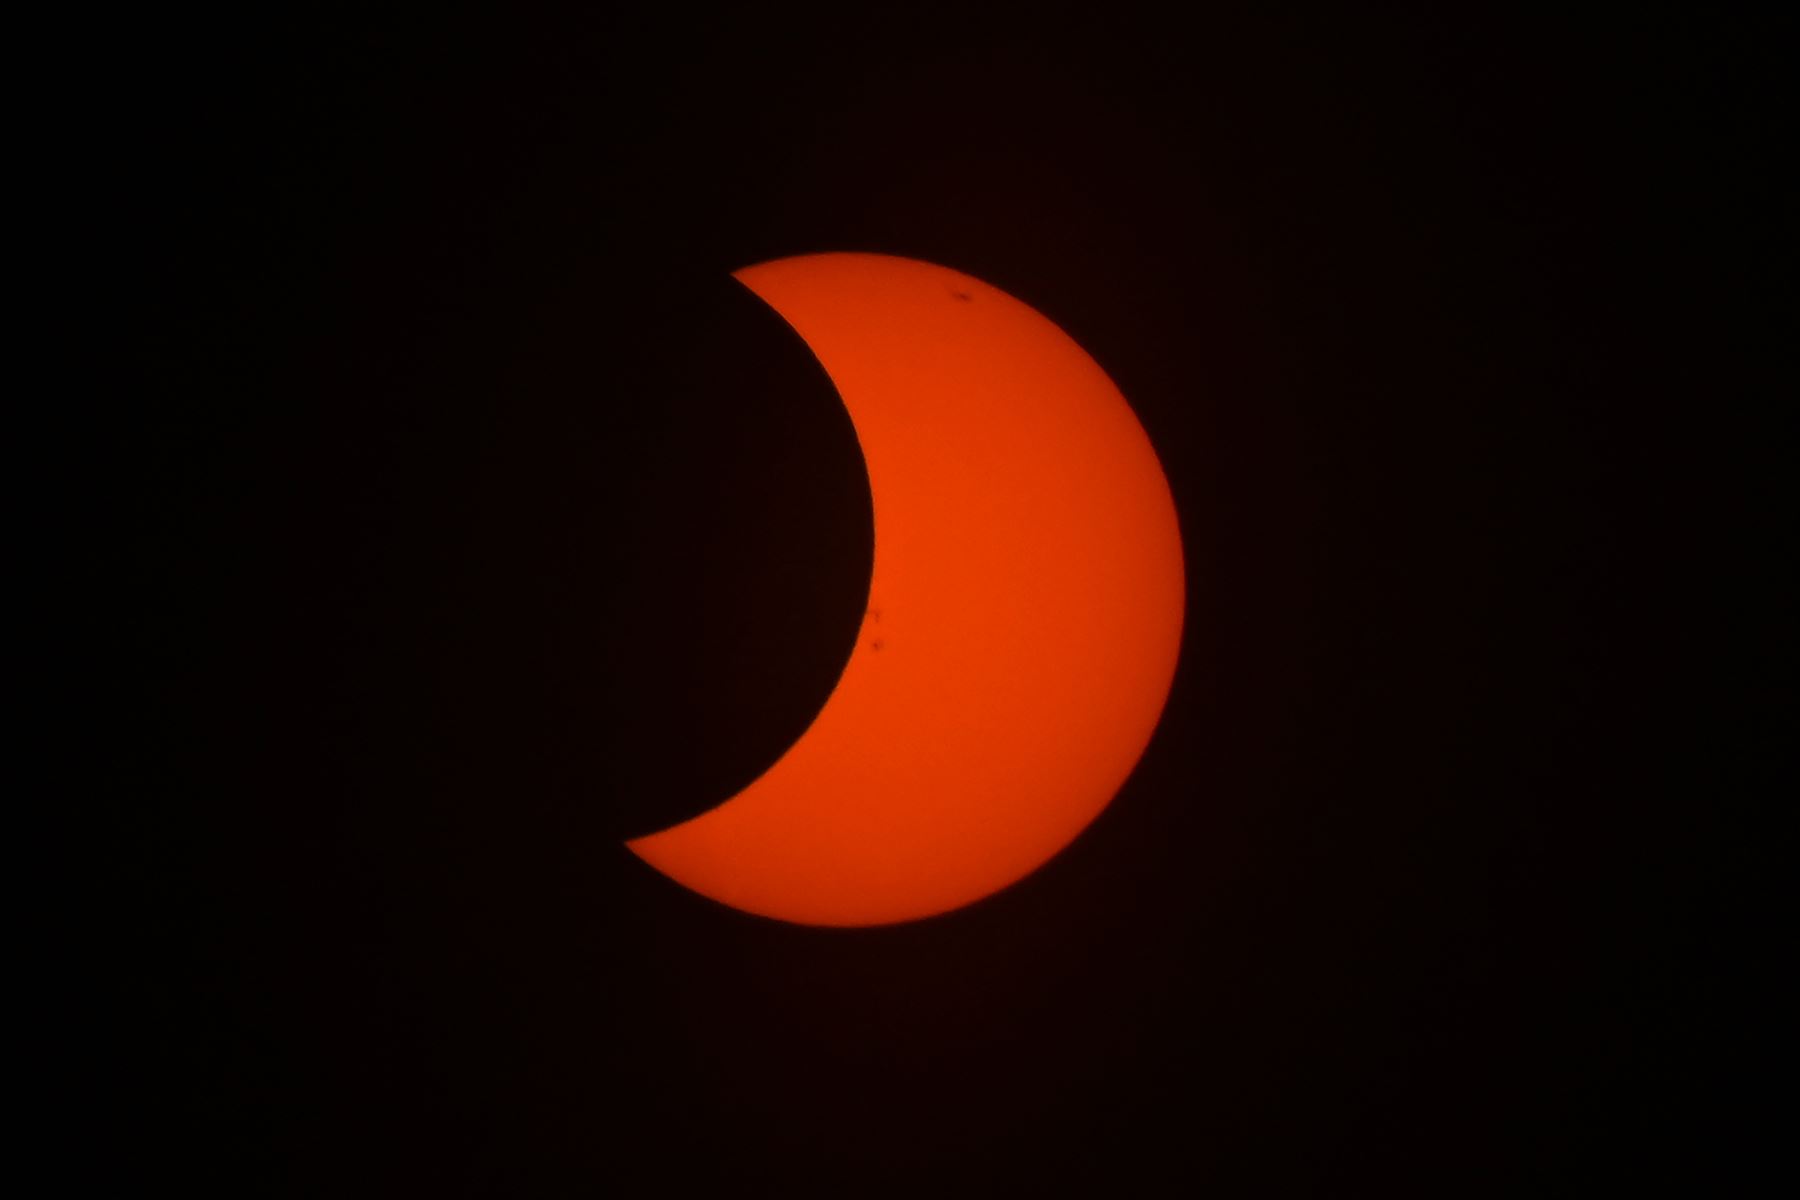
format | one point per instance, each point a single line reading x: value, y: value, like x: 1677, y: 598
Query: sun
x: 1023, y: 621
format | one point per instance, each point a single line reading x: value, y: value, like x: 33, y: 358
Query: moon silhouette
x: 1023, y: 620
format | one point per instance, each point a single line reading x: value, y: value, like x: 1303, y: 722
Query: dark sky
x: 475, y: 520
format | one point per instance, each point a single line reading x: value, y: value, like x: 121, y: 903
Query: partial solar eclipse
x: 1023, y: 618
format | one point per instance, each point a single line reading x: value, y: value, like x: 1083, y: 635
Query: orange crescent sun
x: 1024, y: 611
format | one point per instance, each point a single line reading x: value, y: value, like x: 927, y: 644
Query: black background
x: 476, y: 520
